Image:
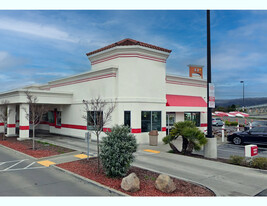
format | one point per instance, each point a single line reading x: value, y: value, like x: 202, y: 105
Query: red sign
x: 254, y: 150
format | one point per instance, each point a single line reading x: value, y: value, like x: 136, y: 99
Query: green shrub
x: 116, y: 151
x: 227, y: 123
x: 259, y: 162
x: 233, y: 123
x: 237, y: 160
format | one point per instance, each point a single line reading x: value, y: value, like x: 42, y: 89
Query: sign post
x: 211, y: 95
x: 87, y: 139
x: 210, y: 149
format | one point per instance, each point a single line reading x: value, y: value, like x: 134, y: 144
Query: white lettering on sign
x: 254, y: 150
x: 211, y: 95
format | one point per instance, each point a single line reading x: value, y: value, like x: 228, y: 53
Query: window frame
x: 197, y: 122
x: 129, y: 118
x: 92, y: 126
x: 151, y: 121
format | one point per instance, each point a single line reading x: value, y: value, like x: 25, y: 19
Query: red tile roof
x: 129, y: 42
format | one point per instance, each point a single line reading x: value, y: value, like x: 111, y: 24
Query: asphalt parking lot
x: 226, y: 149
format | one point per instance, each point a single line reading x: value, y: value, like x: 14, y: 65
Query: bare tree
x: 98, y: 114
x: 35, y: 113
x: 4, y: 114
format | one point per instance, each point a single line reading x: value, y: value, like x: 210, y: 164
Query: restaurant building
x: 130, y: 73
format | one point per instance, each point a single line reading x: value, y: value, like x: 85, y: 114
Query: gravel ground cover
x: 42, y: 149
x: 88, y: 169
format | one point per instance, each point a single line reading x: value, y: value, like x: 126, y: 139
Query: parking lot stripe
x: 29, y: 165
x: 13, y: 165
x: 20, y: 169
x: 10, y: 161
x: 153, y: 151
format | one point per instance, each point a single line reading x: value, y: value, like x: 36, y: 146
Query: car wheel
x: 237, y: 140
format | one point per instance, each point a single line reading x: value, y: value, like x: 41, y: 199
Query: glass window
x: 95, y: 118
x: 51, y: 117
x: 127, y: 118
x: 156, y: 121
x: 150, y: 120
x: 257, y: 129
x: 45, y: 117
x: 58, y: 118
x: 193, y: 116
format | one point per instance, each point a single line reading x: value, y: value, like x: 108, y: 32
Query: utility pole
x: 243, y: 108
x: 210, y: 149
x: 209, y: 117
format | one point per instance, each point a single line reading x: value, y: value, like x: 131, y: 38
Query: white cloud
x: 52, y: 74
x: 3, y: 56
x: 41, y: 30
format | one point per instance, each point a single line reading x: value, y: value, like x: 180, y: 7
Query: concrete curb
x: 61, y: 145
x: 35, y: 158
x: 60, y: 155
x: 181, y: 178
x: 86, y: 180
x: 18, y: 152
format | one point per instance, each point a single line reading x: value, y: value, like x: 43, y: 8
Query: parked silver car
x: 217, y: 122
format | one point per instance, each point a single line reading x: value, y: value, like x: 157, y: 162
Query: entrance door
x: 170, y: 119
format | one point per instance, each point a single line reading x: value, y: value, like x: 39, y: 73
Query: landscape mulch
x: 42, y: 149
x: 88, y: 169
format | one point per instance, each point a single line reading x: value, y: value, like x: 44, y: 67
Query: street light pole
x: 210, y: 149
x: 209, y: 114
x: 243, y: 96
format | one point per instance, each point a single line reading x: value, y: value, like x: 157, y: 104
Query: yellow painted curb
x: 46, y: 163
x: 153, y: 151
x: 81, y: 156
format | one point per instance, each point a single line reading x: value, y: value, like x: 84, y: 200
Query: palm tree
x: 192, y: 137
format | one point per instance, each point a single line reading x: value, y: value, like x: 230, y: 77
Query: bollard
x: 223, y: 127
x: 237, y: 128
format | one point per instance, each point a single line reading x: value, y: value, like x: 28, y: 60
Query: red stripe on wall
x: 186, y: 84
x: 136, y: 130
x: 2, y: 124
x: 106, y: 130
x: 11, y: 125
x: 24, y: 127
x: 163, y: 129
x: 128, y: 55
x: 72, y: 126
x: 203, y: 125
x: 84, y: 80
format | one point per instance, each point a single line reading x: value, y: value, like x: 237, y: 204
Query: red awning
x: 185, y: 101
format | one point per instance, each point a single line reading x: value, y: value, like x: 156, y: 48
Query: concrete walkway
x: 223, y: 179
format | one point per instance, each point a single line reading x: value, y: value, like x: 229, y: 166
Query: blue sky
x: 40, y: 46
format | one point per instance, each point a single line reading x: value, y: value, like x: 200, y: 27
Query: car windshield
x: 259, y: 123
x: 258, y: 129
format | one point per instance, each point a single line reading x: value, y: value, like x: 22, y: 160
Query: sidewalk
x: 223, y: 179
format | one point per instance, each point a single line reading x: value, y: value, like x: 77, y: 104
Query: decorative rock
x: 165, y: 184
x: 130, y: 183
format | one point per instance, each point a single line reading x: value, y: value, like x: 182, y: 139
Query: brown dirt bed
x: 42, y: 149
x: 88, y: 169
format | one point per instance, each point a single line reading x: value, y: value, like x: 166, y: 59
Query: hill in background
x: 248, y: 101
